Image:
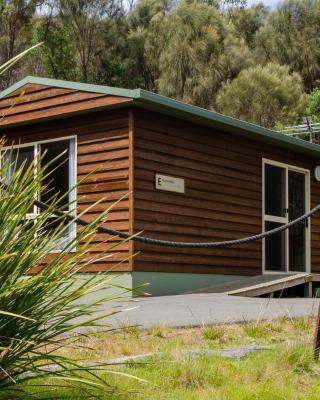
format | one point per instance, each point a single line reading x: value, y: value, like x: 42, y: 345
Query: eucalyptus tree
x: 142, y: 44
x: 197, y: 50
x: 264, y: 95
x: 291, y: 36
x: 247, y: 21
x: 81, y: 21
x: 58, y: 55
x: 15, y: 23
x: 189, y: 42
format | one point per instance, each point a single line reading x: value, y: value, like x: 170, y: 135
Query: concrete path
x: 199, y: 309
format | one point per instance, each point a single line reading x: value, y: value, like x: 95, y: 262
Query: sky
x: 270, y: 3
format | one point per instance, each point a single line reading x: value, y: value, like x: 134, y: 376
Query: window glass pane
x: 57, y: 182
x: 274, y: 249
x: 56, y: 156
x: 62, y: 237
x: 274, y: 193
x: 21, y: 159
x: 297, y: 233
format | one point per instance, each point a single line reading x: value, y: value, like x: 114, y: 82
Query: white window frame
x: 72, y: 176
x: 284, y: 220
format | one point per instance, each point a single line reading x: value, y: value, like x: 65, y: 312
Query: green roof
x: 148, y: 100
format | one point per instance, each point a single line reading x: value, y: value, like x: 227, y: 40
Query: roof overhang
x: 151, y: 101
x: 223, y: 123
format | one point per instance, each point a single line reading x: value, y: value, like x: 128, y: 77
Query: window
x: 60, y: 181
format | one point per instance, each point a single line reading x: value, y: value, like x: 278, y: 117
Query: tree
x: 84, y: 21
x: 313, y: 106
x: 15, y: 23
x: 247, y: 21
x: 264, y: 95
x: 291, y: 36
x: 58, y: 55
x: 140, y: 47
x: 188, y: 42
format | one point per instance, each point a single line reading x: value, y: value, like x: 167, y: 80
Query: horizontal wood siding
x: 103, y: 147
x: 223, y: 199
x: 36, y: 102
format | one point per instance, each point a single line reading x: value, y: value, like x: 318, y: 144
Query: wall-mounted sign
x: 170, y: 183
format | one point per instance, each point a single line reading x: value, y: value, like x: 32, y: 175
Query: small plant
x: 212, y: 332
x: 130, y: 329
x: 254, y: 330
x: 275, y: 325
x: 159, y: 331
x: 196, y: 375
x: 302, y: 324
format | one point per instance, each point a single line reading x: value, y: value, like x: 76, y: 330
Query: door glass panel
x: 297, y: 234
x: 275, y: 248
x: 274, y: 193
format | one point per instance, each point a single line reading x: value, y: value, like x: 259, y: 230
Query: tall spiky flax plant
x: 42, y: 309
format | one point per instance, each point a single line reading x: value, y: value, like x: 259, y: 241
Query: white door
x: 285, y: 198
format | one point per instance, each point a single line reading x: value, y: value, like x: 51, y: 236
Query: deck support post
x: 308, y: 289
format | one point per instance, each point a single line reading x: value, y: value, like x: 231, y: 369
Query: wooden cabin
x: 183, y: 173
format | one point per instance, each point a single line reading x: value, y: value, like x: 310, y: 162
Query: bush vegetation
x: 214, y: 54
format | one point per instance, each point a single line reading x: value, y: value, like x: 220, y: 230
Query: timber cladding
x: 38, y: 102
x: 123, y: 147
x: 223, y: 198
x: 103, y: 153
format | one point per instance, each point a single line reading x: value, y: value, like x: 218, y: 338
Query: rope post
x: 316, y: 342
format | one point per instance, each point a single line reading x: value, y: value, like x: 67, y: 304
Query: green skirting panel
x: 153, y: 283
x: 166, y: 283
x: 115, y: 285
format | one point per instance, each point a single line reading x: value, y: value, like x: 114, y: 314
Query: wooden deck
x: 263, y: 284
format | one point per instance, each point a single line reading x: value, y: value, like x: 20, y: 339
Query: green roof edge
x: 85, y: 87
x: 156, y: 102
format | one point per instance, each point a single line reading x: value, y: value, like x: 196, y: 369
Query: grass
x: 212, y: 332
x: 287, y: 371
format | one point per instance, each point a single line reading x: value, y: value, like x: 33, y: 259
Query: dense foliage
x: 205, y: 52
x: 264, y: 95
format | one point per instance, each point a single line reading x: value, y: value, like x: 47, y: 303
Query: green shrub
x: 45, y: 308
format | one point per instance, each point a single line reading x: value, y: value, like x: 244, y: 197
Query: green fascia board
x: 84, y: 87
x: 155, y: 102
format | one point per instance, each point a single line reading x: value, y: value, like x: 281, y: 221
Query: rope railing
x: 177, y: 244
